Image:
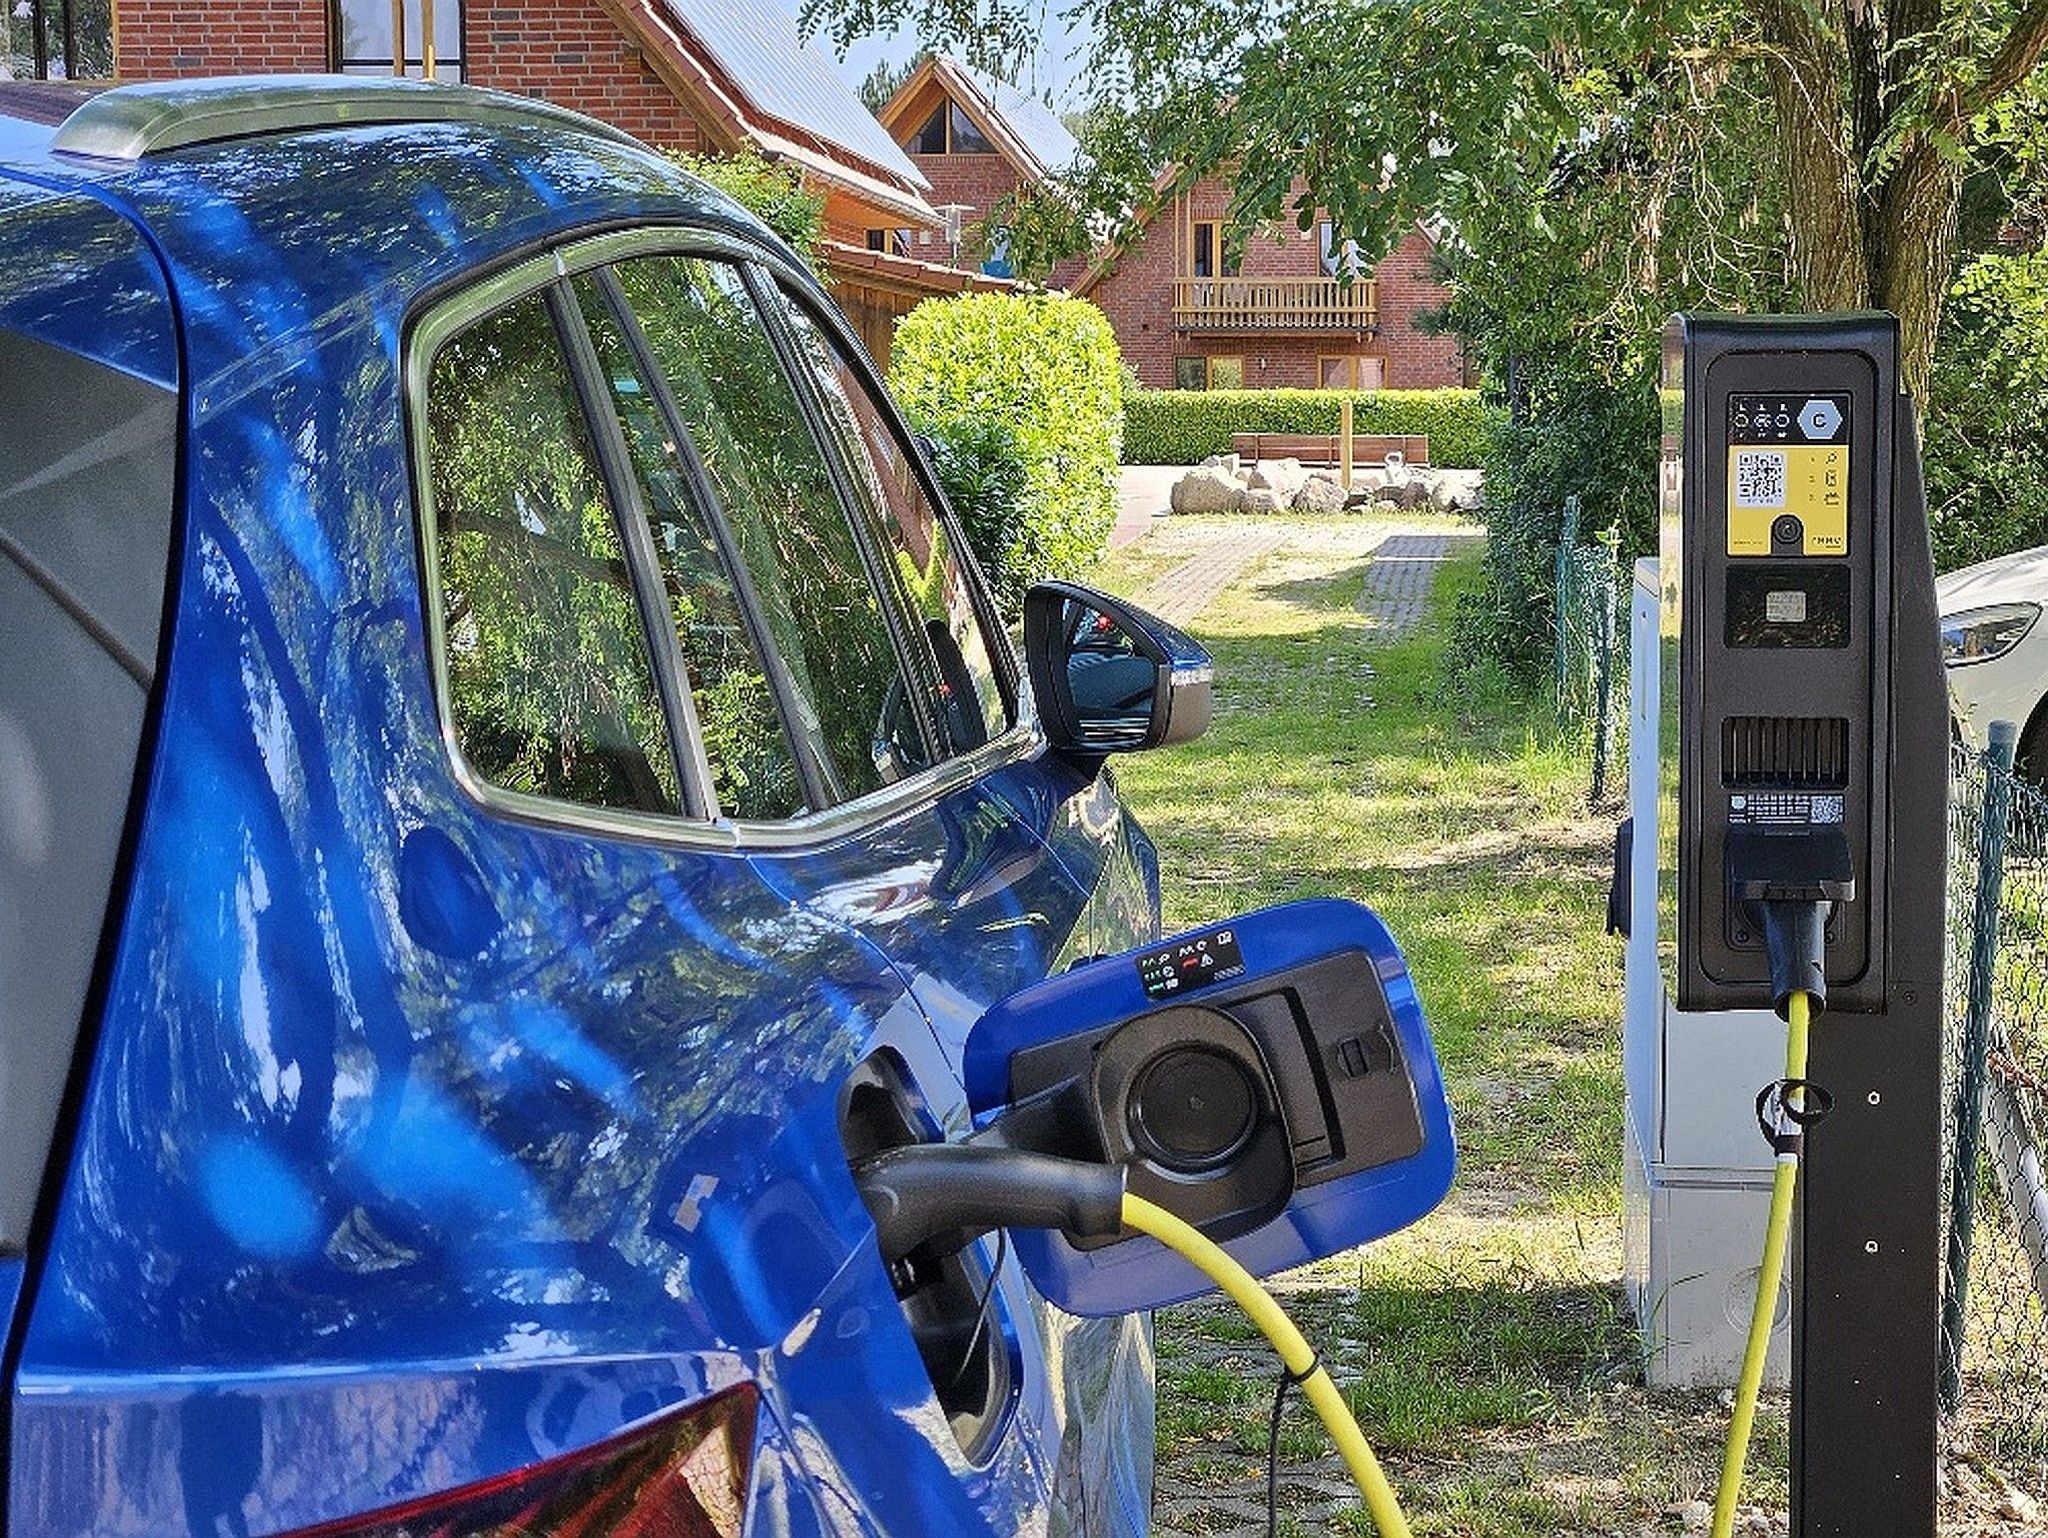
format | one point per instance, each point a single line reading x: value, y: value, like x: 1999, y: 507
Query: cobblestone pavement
x: 1403, y: 571
x: 1187, y: 589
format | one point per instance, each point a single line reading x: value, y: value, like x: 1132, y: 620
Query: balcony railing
x: 1275, y: 304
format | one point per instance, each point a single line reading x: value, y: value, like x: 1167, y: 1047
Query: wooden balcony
x: 1271, y: 305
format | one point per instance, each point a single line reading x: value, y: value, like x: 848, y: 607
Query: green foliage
x: 770, y: 191
x: 1181, y: 427
x: 1047, y: 370
x: 986, y: 478
x: 886, y: 79
x: 1987, y: 413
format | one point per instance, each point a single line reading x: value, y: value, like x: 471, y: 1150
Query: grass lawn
x: 1485, y: 1350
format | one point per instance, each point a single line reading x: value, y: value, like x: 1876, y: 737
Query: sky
x: 1053, y: 70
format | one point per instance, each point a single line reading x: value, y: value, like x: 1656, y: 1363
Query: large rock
x: 1263, y: 499
x: 1283, y: 477
x: 1320, y: 494
x: 1205, y: 490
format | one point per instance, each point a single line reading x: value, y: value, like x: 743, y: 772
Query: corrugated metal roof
x: 755, y: 43
x: 1037, y: 127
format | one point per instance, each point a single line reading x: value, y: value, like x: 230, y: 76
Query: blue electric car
x: 514, y: 804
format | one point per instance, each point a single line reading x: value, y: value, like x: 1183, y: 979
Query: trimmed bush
x: 982, y: 469
x: 1184, y: 427
x: 1046, y: 369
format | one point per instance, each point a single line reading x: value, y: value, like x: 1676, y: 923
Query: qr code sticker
x: 1827, y: 809
x: 1759, y: 478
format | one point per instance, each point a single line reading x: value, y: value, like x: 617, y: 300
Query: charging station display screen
x: 1788, y: 474
x: 1788, y: 605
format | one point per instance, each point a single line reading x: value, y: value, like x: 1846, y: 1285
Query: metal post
x: 1567, y: 535
x: 427, y: 39
x: 398, y: 38
x: 1344, y: 420
x: 1603, y: 660
x: 1966, y: 1115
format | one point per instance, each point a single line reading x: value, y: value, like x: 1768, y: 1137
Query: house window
x: 364, y: 45
x: 966, y: 138
x: 1362, y: 371
x: 1206, y: 251
x: 58, y: 40
x: 1338, y: 260
x: 949, y: 131
x: 1208, y: 373
x: 895, y: 242
x: 931, y: 138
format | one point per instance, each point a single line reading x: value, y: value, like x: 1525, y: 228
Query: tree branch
x: 2015, y: 60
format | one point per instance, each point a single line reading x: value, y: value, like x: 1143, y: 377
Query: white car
x: 1996, y: 651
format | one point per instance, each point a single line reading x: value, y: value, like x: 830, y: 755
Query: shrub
x: 767, y: 189
x: 982, y: 468
x: 1987, y: 413
x: 1181, y: 427
x: 1046, y: 369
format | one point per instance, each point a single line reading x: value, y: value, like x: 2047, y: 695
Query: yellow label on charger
x: 1767, y: 482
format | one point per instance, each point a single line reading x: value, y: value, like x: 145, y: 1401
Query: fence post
x: 1344, y: 443
x: 1604, y: 640
x: 1967, y: 1113
x: 1567, y: 537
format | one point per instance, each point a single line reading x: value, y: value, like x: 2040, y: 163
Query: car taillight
x: 681, y: 1475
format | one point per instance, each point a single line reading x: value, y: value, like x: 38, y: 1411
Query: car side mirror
x: 1271, y: 1080
x: 1107, y: 676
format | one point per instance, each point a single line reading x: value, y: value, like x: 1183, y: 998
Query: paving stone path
x: 1402, y: 574
x: 1181, y: 593
x: 1405, y: 561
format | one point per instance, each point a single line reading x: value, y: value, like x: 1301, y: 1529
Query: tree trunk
x: 1913, y: 236
x: 1824, y: 196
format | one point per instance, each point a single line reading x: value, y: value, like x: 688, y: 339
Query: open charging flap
x: 1269, y: 1079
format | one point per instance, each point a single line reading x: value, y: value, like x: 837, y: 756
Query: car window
x: 753, y: 769
x: 855, y: 720
x: 550, y: 683
x: 931, y: 579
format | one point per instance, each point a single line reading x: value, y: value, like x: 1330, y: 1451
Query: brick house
x: 975, y: 140
x: 708, y: 76
x: 1187, y: 314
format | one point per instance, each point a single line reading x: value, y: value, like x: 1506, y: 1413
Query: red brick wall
x: 1138, y: 298
x: 565, y: 51
x: 979, y: 182
x: 162, y: 40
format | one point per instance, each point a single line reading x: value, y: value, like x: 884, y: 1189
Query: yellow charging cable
x: 1798, y: 1013
x: 1244, y: 1290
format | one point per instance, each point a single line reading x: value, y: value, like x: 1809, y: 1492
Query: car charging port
x: 947, y: 1292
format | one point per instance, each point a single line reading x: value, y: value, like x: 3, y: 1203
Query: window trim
x: 780, y: 687
x: 1008, y: 672
x: 818, y: 423
x: 448, y: 309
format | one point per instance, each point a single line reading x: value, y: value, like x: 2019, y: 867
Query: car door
x: 899, y: 716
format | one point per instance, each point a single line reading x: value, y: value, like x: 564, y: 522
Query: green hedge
x: 1183, y: 427
x: 1046, y: 369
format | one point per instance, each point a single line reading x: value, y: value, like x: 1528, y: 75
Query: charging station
x: 1798, y: 840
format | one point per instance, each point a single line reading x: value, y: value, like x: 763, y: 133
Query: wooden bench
x: 1368, y: 450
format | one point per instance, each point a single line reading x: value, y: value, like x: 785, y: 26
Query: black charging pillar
x: 1805, y: 722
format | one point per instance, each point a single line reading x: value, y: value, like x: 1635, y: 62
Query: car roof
x: 281, y: 203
